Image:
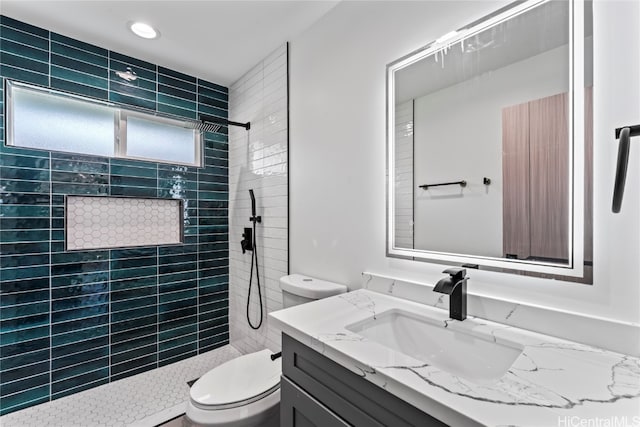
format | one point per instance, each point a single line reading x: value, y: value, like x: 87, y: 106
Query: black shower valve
x: 247, y: 240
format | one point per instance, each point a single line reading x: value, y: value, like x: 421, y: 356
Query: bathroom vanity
x: 316, y: 391
x: 365, y: 358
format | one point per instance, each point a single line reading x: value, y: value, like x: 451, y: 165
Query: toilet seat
x: 237, y: 382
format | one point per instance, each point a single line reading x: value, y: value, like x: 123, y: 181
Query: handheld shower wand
x: 254, y: 218
x: 254, y: 257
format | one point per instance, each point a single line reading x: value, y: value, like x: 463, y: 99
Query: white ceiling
x: 215, y: 40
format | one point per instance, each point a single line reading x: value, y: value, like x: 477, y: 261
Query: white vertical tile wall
x: 258, y: 160
x: 404, y: 175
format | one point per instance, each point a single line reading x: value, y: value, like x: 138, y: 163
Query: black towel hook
x: 623, y: 134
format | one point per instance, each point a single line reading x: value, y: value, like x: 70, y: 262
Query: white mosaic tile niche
x: 115, y: 222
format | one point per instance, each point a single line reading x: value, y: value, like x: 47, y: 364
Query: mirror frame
x: 575, y: 266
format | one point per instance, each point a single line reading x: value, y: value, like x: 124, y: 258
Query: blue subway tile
x: 79, y: 279
x: 181, y: 77
x: 177, y: 111
x: 90, y: 361
x: 25, y: 335
x: 133, y: 253
x: 127, y: 310
x: 24, y: 399
x: 25, y: 371
x: 132, y: 100
x: 178, y: 93
x: 175, y: 268
x: 127, y: 294
x: 76, y: 347
x: 80, y: 166
x: 80, y: 382
x: 133, y: 61
x: 79, y: 336
x: 79, y: 357
x: 212, y: 102
x: 189, y: 294
x: 83, y: 323
x: 203, y: 84
x: 23, y: 26
x: 136, y: 324
x: 24, y: 63
x: 84, y: 267
x: 136, y: 282
x: 79, y: 178
x: 16, y: 34
x: 80, y: 189
x: 214, y: 111
x: 79, y: 54
x: 10, y: 274
x: 133, y: 272
x: 31, y: 382
x: 82, y: 312
x: 78, y: 44
x: 133, y: 309
x: 24, y: 174
x: 21, y: 348
x: 133, y: 367
x: 74, y: 291
x: 83, y: 67
x: 71, y: 257
x: 130, y: 330
x: 124, y: 346
x: 134, y: 353
x: 23, y: 311
x: 91, y: 301
x: 23, y: 75
x: 174, y: 333
x: 132, y: 171
x: 79, y: 88
x: 23, y: 260
x: 177, y: 277
x: 24, y: 50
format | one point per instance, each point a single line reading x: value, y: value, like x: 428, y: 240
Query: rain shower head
x: 204, y: 126
x: 213, y: 124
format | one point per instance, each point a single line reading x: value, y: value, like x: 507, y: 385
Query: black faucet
x: 456, y: 287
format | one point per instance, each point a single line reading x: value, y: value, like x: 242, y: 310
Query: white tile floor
x: 147, y: 399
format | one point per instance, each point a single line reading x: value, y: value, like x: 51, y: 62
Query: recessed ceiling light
x: 143, y: 30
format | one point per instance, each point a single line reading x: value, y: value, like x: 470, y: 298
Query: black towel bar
x: 460, y: 183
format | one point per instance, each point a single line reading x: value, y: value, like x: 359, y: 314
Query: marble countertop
x: 553, y: 382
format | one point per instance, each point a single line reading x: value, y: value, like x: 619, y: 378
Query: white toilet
x: 245, y: 391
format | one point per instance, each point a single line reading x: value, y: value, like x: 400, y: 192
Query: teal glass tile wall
x: 72, y: 321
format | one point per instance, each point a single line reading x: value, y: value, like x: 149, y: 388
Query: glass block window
x: 102, y: 222
x: 50, y: 120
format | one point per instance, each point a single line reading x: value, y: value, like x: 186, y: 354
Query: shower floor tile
x: 147, y: 399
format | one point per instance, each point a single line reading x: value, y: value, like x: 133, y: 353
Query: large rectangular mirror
x: 489, y: 132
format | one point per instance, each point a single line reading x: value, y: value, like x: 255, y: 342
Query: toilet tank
x: 299, y: 289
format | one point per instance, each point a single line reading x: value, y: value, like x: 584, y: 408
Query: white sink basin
x: 463, y: 353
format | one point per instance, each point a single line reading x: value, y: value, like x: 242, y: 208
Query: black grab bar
x: 623, y: 135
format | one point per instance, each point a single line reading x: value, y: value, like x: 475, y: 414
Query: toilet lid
x: 239, y: 381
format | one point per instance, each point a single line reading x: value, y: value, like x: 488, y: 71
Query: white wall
x: 458, y: 136
x: 337, y: 151
x: 258, y: 160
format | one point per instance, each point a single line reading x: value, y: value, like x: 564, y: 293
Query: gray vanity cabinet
x: 316, y: 391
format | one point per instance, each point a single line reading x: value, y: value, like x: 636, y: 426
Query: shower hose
x: 254, y: 257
